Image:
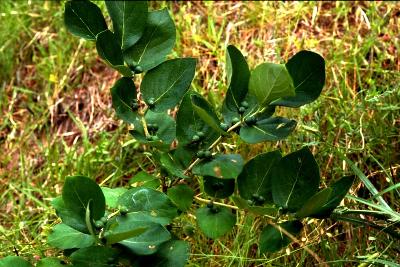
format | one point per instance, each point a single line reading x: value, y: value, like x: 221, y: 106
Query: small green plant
x: 131, y: 227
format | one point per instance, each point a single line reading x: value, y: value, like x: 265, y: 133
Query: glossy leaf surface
x: 256, y: 177
x: 123, y: 95
x: 156, y: 43
x: 148, y: 200
x: 295, y: 179
x: 221, y: 166
x: 270, y: 129
x: 129, y: 20
x: 307, y: 70
x: 65, y: 237
x: 215, y: 224
x: 182, y: 195
x: 78, y: 191
x: 270, y: 81
x: 84, y: 19
x: 166, y: 84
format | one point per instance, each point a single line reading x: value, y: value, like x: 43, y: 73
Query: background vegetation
x: 56, y: 117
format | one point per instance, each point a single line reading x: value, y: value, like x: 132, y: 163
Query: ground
x: 56, y: 116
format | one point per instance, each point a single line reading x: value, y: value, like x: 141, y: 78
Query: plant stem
x: 216, y: 203
x: 294, y: 239
x: 216, y: 142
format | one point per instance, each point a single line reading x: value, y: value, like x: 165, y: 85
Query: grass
x: 57, y: 118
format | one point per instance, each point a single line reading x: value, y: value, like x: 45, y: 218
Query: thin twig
x: 294, y: 239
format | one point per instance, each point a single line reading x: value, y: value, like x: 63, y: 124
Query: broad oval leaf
x: 270, y: 81
x: 167, y: 83
x: 14, y: 261
x: 168, y: 164
x: 166, y: 128
x: 188, y: 124
x: 65, y: 237
x: 78, y: 191
x: 307, y: 70
x: 129, y: 20
x: 156, y: 43
x: 173, y: 253
x: 221, y: 166
x: 215, y: 224
x: 339, y: 190
x: 270, y: 129
x: 112, y: 194
x: 218, y: 188
x: 182, y: 195
x: 129, y: 225
x: 204, y: 110
x: 148, y: 242
x: 148, y: 200
x: 314, y: 203
x: 295, y: 179
x: 69, y: 217
x: 256, y: 177
x: 95, y: 256
x: 145, y: 179
x: 84, y: 19
x: 272, y: 239
x: 238, y: 75
x: 50, y: 262
x: 123, y: 95
x: 108, y: 49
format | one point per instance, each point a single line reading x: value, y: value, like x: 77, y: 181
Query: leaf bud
x: 244, y: 104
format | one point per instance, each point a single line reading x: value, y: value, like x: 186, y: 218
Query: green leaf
x: 69, y: 217
x: 123, y: 95
x: 156, y: 43
x: 271, y: 129
x: 148, y: 242
x: 96, y: 256
x: 295, y: 179
x: 129, y: 20
x: 65, y: 237
x: 128, y: 226
x: 215, y: 224
x: 272, y: 239
x: 270, y: 81
x: 168, y: 163
x: 50, y: 262
x: 307, y: 70
x: 167, y: 83
x: 166, y: 128
x: 182, y: 195
x: 112, y: 194
x: 188, y: 124
x: 221, y: 166
x: 184, y: 155
x: 84, y: 19
x: 108, y: 49
x: 238, y: 75
x: 14, y: 261
x: 78, y: 191
x: 339, y: 190
x: 145, y: 180
x: 218, y: 188
x: 256, y: 177
x: 148, y: 200
x: 314, y: 203
x: 173, y: 253
x: 204, y: 110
